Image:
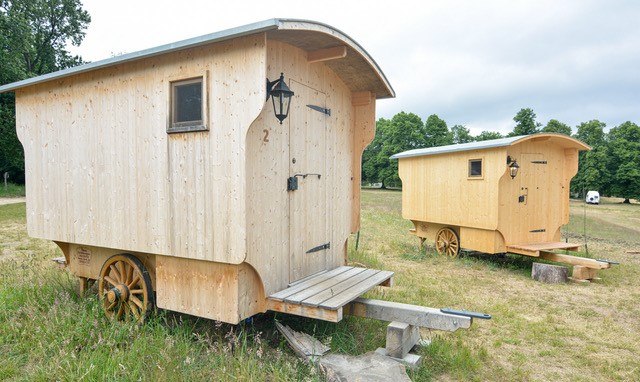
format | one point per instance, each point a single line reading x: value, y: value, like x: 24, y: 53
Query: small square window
x: 187, y: 106
x: 475, y: 168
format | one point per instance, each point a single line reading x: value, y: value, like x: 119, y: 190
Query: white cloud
x: 471, y: 62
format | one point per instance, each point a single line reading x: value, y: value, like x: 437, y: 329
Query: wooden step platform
x: 545, y: 251
x: 324, y: 295
x: 535, y: 249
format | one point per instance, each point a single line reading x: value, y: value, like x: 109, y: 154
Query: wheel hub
x: 118, y: 293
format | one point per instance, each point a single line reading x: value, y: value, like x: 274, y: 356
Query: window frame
x: 188, y: 126
x: 472, y: 177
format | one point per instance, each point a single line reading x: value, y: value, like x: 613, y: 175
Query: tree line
x: 612, y: 167
x: 33, y: 41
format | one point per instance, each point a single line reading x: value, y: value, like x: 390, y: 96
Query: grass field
x: 539, y: 332
x: 11, y: 191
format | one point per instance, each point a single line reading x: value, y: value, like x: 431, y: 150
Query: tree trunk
x: 626, y: 201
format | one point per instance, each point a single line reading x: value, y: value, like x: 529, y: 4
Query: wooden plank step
x: 352, y: 293
x: 281, y: 295
x: 543, y: 246
x: 306, y: 293
x: 326, y: 294
x: 307, y: 278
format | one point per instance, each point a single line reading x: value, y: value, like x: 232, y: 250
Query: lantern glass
x: 513, y: 169
x: 281, y: 98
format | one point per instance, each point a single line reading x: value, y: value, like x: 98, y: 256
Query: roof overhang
x: 561, y: 140
x: 357, y: 69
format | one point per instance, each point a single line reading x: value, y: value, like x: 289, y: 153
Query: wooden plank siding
x: 102, y: 170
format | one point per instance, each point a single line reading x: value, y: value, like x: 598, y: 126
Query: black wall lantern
x: 281, y: 97
x: 513, y: 167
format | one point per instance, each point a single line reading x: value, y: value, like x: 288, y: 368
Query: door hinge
x: 320, y: 248
x: 320, y: 109
x: 538, y: 230
x: 539, y: 161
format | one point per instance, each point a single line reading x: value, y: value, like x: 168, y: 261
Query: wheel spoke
x: 116, y: 274
x: 134, y: 282
x: 136, y: 291
x: 120, y: 311
x: 111, y: 281
x: 136, y: 301
x: 134, y: 309
x: 123, y: 273
x: 112, y: 305
x: 129, y: 273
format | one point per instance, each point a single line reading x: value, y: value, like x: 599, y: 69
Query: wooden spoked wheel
x: 448, y: 242
x: 125, y: 288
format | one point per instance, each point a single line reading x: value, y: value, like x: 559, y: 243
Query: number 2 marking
x: 266, y: 136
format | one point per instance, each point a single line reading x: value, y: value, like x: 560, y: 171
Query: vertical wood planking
x: 107, y: 173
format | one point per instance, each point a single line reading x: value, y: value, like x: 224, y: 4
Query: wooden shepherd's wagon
x: 165, y: 175
x: 495, y: 196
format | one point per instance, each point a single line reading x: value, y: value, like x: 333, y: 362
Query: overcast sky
x: 474, y: 63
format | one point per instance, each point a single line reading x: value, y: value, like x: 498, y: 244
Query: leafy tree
x: 525, y: 123
x: 624, y: 163
x: 487, y: 135
x: 592, y: 133
x: 34, y: 35
x: 405, y: 131
x: 461, y: 134
x: 592, y: 173
x: 437, y: 132
x: 555, y: 126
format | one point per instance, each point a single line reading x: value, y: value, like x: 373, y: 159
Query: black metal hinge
x: 538, y: 230
x: 320, y: 248
x: 539, y: 161
x: 320, y: 109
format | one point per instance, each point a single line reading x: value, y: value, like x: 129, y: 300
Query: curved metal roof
x: 383, y: 87
x: 565, y: 140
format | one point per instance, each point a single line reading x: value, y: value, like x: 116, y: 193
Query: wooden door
x: 309, y: 214
x: 532, y: 173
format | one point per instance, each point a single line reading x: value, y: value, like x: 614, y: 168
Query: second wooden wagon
x: 495, y: 196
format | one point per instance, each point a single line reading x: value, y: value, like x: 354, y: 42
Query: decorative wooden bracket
x: 327, y: 54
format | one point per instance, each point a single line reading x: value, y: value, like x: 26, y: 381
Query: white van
x: 593, y: 197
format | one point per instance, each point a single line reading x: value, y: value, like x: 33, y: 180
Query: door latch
x: 292, y: 181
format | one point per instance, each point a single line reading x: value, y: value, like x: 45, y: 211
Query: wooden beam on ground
x: 327, y: 54
x: 411, y: 314
x: 574, y: 260
x: 305, y: 311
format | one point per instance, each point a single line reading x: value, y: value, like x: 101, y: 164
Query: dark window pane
x: 475, y: 168
x: 188, y: 102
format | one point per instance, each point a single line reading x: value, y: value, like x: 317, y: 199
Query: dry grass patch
x: 538, y: 331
